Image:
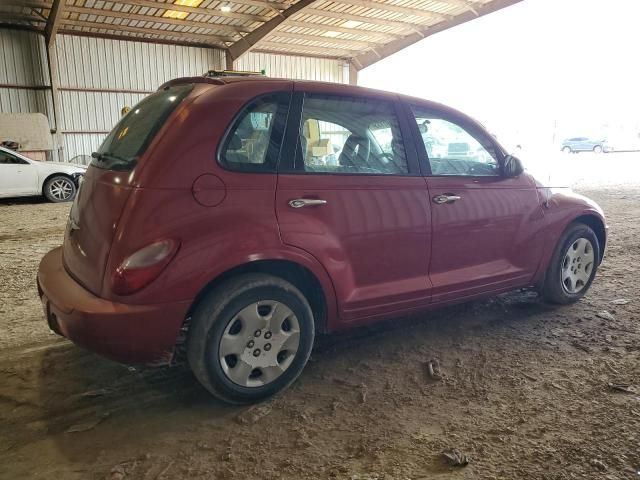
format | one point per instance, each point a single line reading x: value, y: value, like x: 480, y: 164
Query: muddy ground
x: 524, y: 394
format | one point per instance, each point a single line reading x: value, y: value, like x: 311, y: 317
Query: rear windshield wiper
x: 101, y: 157
x: 113, y: 160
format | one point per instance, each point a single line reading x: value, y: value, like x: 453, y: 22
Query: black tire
x: 554, y: 290
x: 54, y: 193
x: 211, y: 318
x: 597, y: 149
x: 566, y: 149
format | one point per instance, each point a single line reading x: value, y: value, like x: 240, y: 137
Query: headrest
x: 235, y: 143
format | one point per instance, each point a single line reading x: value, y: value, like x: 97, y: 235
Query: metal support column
x: 52, y: 63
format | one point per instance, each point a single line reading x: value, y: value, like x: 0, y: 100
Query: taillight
x: 142, y: 267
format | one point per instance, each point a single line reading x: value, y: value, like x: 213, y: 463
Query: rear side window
x: 253, y: 142
x: 132, y: 135
x: 348, y: 135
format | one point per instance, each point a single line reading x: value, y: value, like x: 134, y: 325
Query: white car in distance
x: 21, y: 177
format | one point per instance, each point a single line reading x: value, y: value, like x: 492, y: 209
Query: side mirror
x: 512, y: 167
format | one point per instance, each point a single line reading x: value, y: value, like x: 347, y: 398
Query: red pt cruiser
x: 236, y: 217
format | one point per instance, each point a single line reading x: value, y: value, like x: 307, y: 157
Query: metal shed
x: 80, y: 61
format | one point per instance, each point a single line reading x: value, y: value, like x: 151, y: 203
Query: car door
x: 350, y: 193
x: 486, y: 227
x: 17, y: 176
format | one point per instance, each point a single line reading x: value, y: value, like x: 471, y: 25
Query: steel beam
x: 53, y: 22
x: 369, y: 58
x: 250, y: 40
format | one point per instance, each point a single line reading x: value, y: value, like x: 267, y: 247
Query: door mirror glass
x: 512, y: 167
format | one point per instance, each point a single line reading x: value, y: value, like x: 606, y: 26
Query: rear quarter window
x: 252, y: 143
x: 134, y: 132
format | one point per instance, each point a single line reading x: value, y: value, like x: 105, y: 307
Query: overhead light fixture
x: 351, y: 24
x: 188, y: 3
x: 175, y: 14
x: 225, y: 8
x: 330, y: 34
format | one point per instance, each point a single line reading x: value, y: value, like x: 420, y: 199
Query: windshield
x: 132, y: 135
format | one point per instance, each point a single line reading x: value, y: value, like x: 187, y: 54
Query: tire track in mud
x: 37, y: 393
x: 27, y: 235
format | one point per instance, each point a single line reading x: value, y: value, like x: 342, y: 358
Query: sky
x: 536, y: 71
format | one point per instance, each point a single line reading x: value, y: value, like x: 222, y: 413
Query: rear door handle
x: 306, y: 202
x: 445, y: 198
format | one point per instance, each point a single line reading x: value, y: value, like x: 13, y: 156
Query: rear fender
x: 291, y: 254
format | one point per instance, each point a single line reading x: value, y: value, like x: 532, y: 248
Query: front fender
x: 562, y: 206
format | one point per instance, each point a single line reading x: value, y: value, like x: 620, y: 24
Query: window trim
x: 290, y: 152
x: 467, y: 124
x: 274, y: 152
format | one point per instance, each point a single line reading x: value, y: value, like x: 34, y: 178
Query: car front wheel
x: 597, y: 149
x: 250, y: 338
x: 573, y: 265
x: 566, y: 149
x: 59, y: 189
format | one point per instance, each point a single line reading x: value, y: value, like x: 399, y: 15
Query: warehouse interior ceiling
x: 360, y: 31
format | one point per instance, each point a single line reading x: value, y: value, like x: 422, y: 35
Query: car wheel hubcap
x: 61, y: 189
x: 577, y: 266
x: 259, y: 343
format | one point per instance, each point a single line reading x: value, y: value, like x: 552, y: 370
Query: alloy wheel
x: 61, y: 189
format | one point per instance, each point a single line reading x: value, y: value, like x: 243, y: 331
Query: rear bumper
x: 125, y: 333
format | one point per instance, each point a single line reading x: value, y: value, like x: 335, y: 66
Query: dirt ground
x: 525, y: 389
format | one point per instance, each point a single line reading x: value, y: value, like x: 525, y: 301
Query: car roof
x: 328, y: 87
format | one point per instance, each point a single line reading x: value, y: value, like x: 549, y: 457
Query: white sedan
x: 20, y: 177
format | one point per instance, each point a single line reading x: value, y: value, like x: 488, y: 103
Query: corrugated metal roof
x: 349, y: 29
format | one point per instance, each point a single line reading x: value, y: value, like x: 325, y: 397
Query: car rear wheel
x: 566, y: 149
x: 59, y: 189
x: 573, y: 265
x: 597, y: 149
x: 250, y: 338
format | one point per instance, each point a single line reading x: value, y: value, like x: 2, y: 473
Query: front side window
x: 132, y: 135
x: 253, y: 142
x: 345, y: 135
x: 452, y: 150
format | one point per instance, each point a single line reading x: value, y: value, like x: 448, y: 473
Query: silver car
x: 585, y: 144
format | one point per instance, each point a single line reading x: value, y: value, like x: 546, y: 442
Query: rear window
x: 132, y: 135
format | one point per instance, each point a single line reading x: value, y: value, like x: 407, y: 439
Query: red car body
x: 379, y: 248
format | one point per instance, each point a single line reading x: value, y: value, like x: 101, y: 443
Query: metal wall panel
x: 83, y: 144
x: 99, y: 63
x: 289, y: 66
x: 23, y: 58
x: 99, y: 76
x: 23, y: 63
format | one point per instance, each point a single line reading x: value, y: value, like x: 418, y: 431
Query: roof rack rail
x: 233, y: 73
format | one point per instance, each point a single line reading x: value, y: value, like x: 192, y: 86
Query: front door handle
x: 445, y: 198
x: 306, y: 202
